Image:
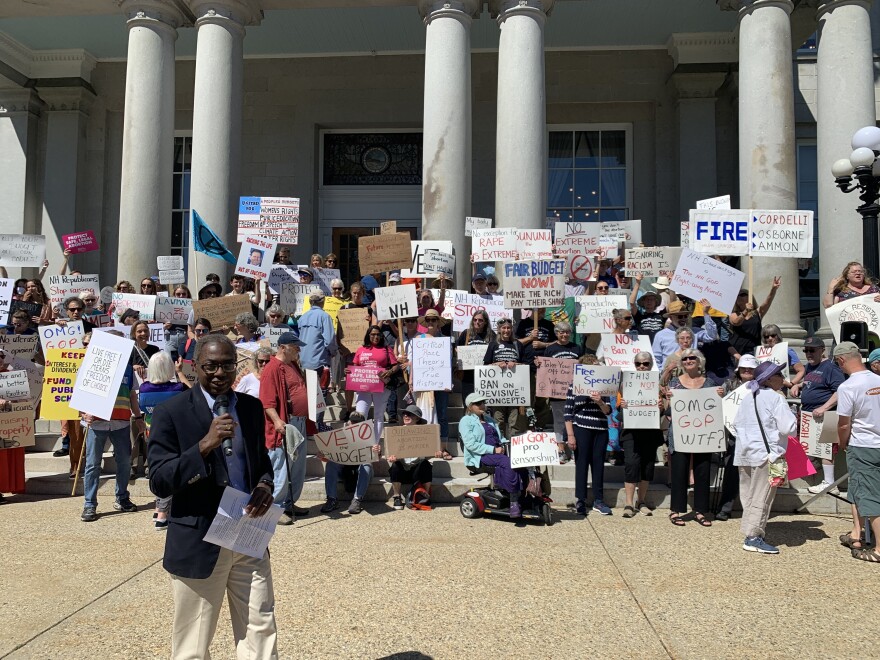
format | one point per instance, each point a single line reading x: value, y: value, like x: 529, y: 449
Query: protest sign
x: 595, y: 378
x: 503, y: 387
x: 20, y: 346
x: 80, y: 242
x: 414, y: 441
x: 157, y: 335
x: 316, y: 402
x: 608, y: 247
x: 17, y: 426
x: 581, y: 267
x: 102, y: 320
x: 388, y: 227
x: 620, y: 350
x: 697, y: 421
x: 700, y: 276
x: 471, y: 223
x: 534, y: 244
x: 222, y: 311
x: 721, y: 203
x: 641, y: 391
x: 596, y: 312
x: 244, y: 360
x: 777, y: 354
x: 628, y: 232
x: 62, y: 287
x: 323, y: 278
x: 354, y: 323
x: 272, y: 218
x: 171, y: 277
x: 396, y: 302
x: 781, y: 234
x: 533, y: 450
x: 58, y: 379
x: 554, y: 377
x: 256, y: 256
x: 98, y: 379
x: 730, y: 406
x: 14, y: 385
x: 534, y: 283
x: 431, y: 364
x: 188, y: 369
x: 383, y: 253
x: 684, y: 239
x: 294, y: 297
x: 364, y: 379
x: 719, y: 231
x: 420, y: 249
x: 465, y: 305
x: 332, y: 305
x: 576, y: 238
x: 22, y: 250
x: 470, y: 357
x: 350, y: 445
x: 69, y: 335
x: 651, y: 261
x: 280, y: 275
x: 145, y: 306
x: 271, y: 333
x: 173, y: 310
x: 43, y: 312
x: 811, y: 432
x: 6, y: 291
x: 169, y: 262
x: 438, y: 263
x: 497, y: 244
x: 860, y: 308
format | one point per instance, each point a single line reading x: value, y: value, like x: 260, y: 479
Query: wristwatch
x: 269, y: 483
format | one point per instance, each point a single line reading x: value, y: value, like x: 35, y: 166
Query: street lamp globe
x: 867, y: 137
x: 862, y: 157
x: 842, y: 168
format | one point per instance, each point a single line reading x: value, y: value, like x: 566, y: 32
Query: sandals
x: 628, y: 511
x: 866, y: 554
x: 446, y: 456
x: 676, y: 519
x: 645, y: 509
x: 848, y: 541
x: 703, y: 520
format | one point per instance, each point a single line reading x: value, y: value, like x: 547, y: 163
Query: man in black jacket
x: 187, y: 462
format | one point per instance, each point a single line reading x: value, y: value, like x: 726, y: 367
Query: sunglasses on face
x: 689, y: 359
x: 201, y: 331
x: 627, y: 318
x: 643, y: 364
x: 771, y: 336
x: 601, y: 288
x: 811, y: 350
x: 492, y: 284
x: 74, y: 309
x: 431, y: 320
x: 263, y: 362
x: 337, y: 288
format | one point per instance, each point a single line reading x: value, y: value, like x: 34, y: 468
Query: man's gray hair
x: 248, y: 320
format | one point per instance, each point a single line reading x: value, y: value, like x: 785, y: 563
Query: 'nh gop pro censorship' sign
x: 533, y: 450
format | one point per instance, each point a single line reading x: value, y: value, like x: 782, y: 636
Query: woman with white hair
x: 561, y: 349
x: 160, y: 386
x: 250, y: 383
x: 247, y: 328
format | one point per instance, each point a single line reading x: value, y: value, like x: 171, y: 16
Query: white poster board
x: 697, y: 421
x: 255, y: 258
x: 279, y: 275
x: 62, y: 287
x: 438, y: 263
x: 651, y: 261
x: 533, y: 450
x: 317, y: 405
x: 781, y: 234
x: 503, y: 387
x: 431, y: 364
x: 294, y: 297
x: 274, y: 218
x: 157, y: 335
x: 418, y: 250
x: 396, y: 302
x: 721, y: 203
x: 465, y: 305
x: 576, y: 238
x: 22, y: 250
x: 730, y: 406
x: 171, y: 277
x: 472, y: 223
x: 596, y: 378
x: 628, y: 232
x: 684, y: 239
x: 719, y: 231
x: 818, y: 437
x: 470, y: 357
x: 534, y: 284
x: 861, y: 308
x: 619, y: 350
x: 145, y: 306
x: 494, y: 244
x: 534, y: 244
x: 641, y: 391
x: 6, y: 291
x: 173, y: 310
x: 349, y: 445
x: 777, y: 354
x: 14, y: 385
x: 69, y: 335
x: 99, y: 377
x: 700, y: 276
x: 596, y: 312
x: 173, y: 262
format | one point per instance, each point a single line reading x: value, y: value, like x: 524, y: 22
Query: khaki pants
x: 247, y: 583
x: 77, y: 436
x: 756, y: 496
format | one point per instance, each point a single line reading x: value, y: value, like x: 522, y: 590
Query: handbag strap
x: 760, y: 425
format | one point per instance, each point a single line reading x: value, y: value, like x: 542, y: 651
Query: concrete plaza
x: 409, y: 584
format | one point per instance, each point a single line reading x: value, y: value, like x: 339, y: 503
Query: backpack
x: 418, y: 498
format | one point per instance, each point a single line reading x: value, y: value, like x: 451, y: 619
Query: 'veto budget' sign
x: 533, y: 284
x: 350, y: 445
x: 697, y: 421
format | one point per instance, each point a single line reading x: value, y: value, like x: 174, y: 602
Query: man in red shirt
x: 285, y: 399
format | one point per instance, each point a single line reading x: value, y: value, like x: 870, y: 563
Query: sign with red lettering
x: 554, y: 377
x: 494, y: 244
x: 350, y: 445
x: 697, y: 421
x: 619, y: 350
x: 81, y: 241
x: 256, y: 257
x: 700, y: 276
x: 465, y: 305
x: 574, y: 238
x: 533, y: 450
x: 781, y: 234
x: 641, y: 391
x: 581, y: 267
x: 534, y: 284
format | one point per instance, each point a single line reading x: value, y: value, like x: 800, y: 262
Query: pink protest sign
x: 799, y: 465
x: 81, y: 241
x: 364, y: 379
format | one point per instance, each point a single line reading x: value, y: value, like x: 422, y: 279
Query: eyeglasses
x: 492, y: 284
x: 145, y: 285
x: 627, y: 318
x: 211, y: 368
x: 432, y: 320
x: 601, y: 288
x: 75, y: 309
x: 680, y: 317
x: 771, y: 336
x: 264, y: 362
x: 648, y: 364
x: 690, y: 358
x: 90, y: 300
x: 479, y: 319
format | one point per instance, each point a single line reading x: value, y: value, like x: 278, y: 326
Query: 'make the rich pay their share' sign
x: 534, y: 283
x: 697, y: 421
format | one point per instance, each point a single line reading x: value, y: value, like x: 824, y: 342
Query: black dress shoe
x: 298, y: 510
x: 722, y: 515
x: 58, y: 453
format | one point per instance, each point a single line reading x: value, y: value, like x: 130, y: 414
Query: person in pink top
x: 375, y: 353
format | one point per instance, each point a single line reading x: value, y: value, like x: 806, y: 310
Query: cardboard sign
x: 554, y: 377
x: 317, y: 405
x: 596, y: 312
x: 384, y: 252
x: 222, y: 311
x: 811, y: 432
x: 396, y: 302
x: 719, y: 231
x: 413, y: 441
x: 533, y: 450
x: 350, y: 445
x: 620, y: 350
x: 364, y: 379
x: 355, y: 323
x: 256, y: 256
x: 98, y: 379
x: 431, y: 364
x: 641, y: 391
x: 503, y: 387
x: 697, y: 421
x: 388, y: 227
x: 861, y: 308
x: 145, y: 306
x: 80, y: 242
x: 17, y: 426
x: 576, y: 238
x: 20, y: 346
x: 730, y: 406
x: 628, y: 232
x: 58, y: 379
x: 595, y: 378
x: 324, y: 276
x: 62, y: 287
x: 494, y: 244
x: 188, y: 369
x: 720, y: 203
x: 470, y: 357
x: 294, y: 297
x: 14, y: 385
x: 471, y: 223
x: 279, y: 275
x: 273, y: 218
x: 533, y: 284
x: 684, y: 239
x: 439, y: 263
x: 22, y: 250
x: 69, y: 335
x: 781, y: 234
x: 700, y: 276
x: 419, y: 253
x: 651, y: 261
x: 777, y: 354
x: 173, y: 310
x: 534, y: 244
x: 169, y: 263
x: 465, y: 305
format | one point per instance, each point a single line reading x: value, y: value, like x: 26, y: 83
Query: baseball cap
x: 478, y: 276
x: 814, y: 342
x: 845, y: 348
x: 874, y: 356
x: 290, y: 338
x: 472, y: 398
x: 394, y: 277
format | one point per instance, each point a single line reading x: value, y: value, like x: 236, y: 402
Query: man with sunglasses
x: 75, y: 309
x: 678, y: 316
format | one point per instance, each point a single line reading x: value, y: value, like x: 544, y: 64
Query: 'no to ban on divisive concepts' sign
x: 503, y: 387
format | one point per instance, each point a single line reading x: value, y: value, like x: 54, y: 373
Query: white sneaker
x: 820, y: 487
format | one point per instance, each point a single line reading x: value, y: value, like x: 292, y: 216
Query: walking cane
x: 80, y: 460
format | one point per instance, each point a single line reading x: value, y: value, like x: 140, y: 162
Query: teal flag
x: 207, y: 242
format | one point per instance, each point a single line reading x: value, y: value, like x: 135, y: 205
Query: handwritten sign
x: 17, y: 426
x: 80, y: 242
x: 388, y: 227
x: 534, y: 283
x: 6, y: 291
x: 861, y: 308
x: 534, y: 244
x: 439, y: 263
x: 700, y: 276
x: 279, y: 275
x: 396, y: 302
x: 172, y: 277
x: 172, y: 262
x: 641, y: 391
x: 651, y: 261
x: 324, y: 277
x: 777, y: 354
x: 533, y: 450
x: 730, y: 406
x: 14, y: 385
x: 503, y: 387
x: 628, y: 232
x: 22, y: 250
x: 294, y: 297
x: 414, y: 441
x: 419, y: 253
x: 471, y: 223
x: 598, y: 379
x: 497, y: 244
x: 256, y: 256
x: 431, y: 364
x: 98, y: 380
x: 812, y: 432
x: 620, y: 350
x: 145, y: 306
x: 470, y: 357
x: 354, y: 322
x: 364, y: 379
x: 350, y: 445
x: 384, y: 252
x: 69, y: 335
x: 684, y: 238
x: 222, y: 311
x: 173, y: 310
x: 465, y: 305
x: 576, y: 238
x: 781, y: 234
x: 62, y: 287
x: 697, y: 421
x: 721, y: 203
x: 719, y: 231
x: 58, y: 379
x: 554, y: 377
x: 272, y: 218
x: 596, y: 312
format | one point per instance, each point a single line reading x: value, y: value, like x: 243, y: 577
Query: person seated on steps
x: 410, y: 470
x: 331, y: 476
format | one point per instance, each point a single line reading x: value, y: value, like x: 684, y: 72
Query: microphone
x: 221, y: 405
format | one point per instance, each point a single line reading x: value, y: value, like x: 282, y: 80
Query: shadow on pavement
x: 795, y: 533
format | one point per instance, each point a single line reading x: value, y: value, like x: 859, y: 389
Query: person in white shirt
x: 762, y: 426
x: 858, y: 433
x: 250, y: 383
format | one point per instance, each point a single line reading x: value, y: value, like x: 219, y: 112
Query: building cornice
x: 35, y: 64
x: 703, y: 47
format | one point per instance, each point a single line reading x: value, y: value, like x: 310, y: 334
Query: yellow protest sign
x: 61, y: 367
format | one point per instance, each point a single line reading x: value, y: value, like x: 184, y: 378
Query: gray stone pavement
x: 431, y: 584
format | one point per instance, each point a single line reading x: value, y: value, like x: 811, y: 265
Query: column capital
x: 224, y: 12
x: 825, y: 6
x: 431, y: 9
x: 19, y: 101
x: 697, y: 85
x: 154, y: 14
x: 745, y: 7
x: 67, y: 99
x: 501, y: 9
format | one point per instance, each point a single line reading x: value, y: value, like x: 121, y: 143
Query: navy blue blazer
x: 196, y: 483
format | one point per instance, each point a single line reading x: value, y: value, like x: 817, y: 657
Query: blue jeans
x: 289, y: 476
x: 331, y: 479
x: 94, y: 449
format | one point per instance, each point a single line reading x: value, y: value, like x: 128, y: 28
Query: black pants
x: 681, y: 467
x: 420, y: 472
x: 589, y: 454
x: 640, y: 452
x: 730, y: 483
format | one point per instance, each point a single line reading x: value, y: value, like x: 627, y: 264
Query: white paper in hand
x: 234, y: 530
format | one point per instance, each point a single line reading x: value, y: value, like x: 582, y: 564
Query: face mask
x: 19, y: 290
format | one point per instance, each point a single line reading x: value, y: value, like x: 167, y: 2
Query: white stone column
x: 521, y: 142
x: 148, y: 137
x: 767, y: 167
x: 217, y: 111
x: 446, y: 160
x: 845, y: 104
x: 19, y: 116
